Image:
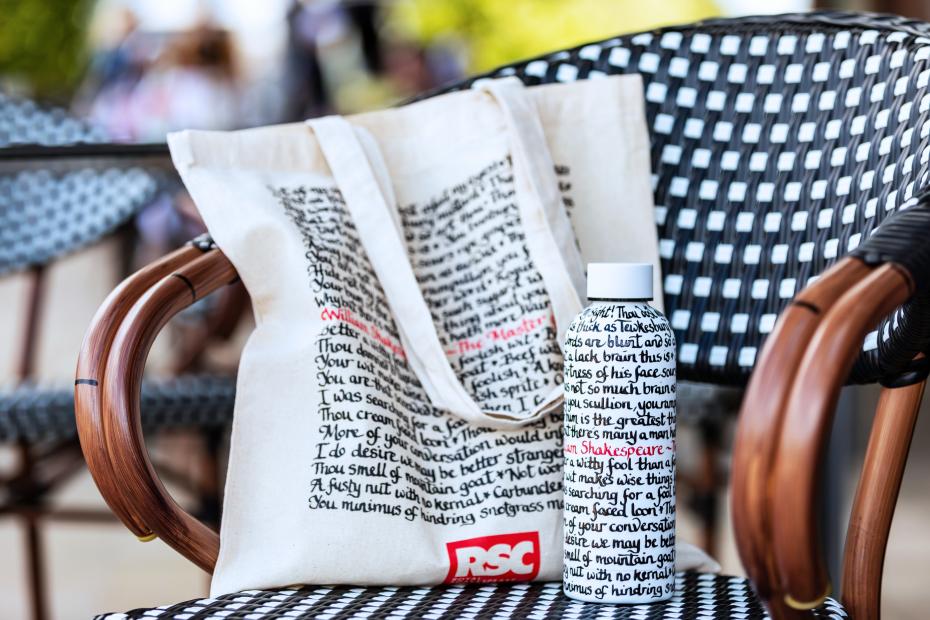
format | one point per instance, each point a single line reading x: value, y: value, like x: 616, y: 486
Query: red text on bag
x: 502, y: 557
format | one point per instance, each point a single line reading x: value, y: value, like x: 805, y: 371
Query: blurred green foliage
x: 43, y: 45
x: 495, y: 32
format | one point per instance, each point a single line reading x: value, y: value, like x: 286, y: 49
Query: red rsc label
x: 502, y: 557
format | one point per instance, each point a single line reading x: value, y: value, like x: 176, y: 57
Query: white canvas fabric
x: 412, y: 272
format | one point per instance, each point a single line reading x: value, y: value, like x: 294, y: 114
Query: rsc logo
x: 503, y: 557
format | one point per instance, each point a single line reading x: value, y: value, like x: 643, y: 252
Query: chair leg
x: 211, y: 494
x: 211, y: 471
x: 876, y: 496
x: 35, y: 567
x: 706, y: 498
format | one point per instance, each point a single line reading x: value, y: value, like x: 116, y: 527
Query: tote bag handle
x: 538, y: 200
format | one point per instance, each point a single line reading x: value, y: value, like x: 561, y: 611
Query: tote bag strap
x: 545, y: 222
x: 378, y: 231
x: 379, y: 236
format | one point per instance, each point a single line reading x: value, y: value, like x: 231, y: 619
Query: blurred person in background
x: 344, y: 56
x: 193, y: 85
x: 118, y: 59
x: 146, y: 87
x: 309, y: 24
x: 143, y: 85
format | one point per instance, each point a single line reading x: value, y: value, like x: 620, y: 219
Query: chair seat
x: 32, y: 413
x: 698, y: 595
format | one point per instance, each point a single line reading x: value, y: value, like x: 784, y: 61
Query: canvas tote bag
x: 359, y: 454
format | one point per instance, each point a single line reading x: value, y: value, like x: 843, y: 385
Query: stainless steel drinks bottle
x: 620, y: 400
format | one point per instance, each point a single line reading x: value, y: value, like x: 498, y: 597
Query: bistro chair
x: 790, y: 166
x: 63, y: 188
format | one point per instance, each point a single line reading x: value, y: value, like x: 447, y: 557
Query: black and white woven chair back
x: 49, y: 210
x: 778, y: 145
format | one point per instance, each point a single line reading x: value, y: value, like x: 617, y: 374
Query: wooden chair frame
x: 782, y: 431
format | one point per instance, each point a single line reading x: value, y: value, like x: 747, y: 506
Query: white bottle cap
x: 619, y: 281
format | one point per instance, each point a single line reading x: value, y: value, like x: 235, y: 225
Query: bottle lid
x: 620, y: 281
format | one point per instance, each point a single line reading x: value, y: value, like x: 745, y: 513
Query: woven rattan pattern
x: 698, y: 596
x: 778, y: 145
x: 35, y: 413
x: 24, y: 122
x: 45, y: 214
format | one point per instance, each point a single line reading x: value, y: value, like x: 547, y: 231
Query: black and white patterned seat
x: 34, y: 413
x: 50, y: 211
x: 779, y: 144
x: 698, y: 596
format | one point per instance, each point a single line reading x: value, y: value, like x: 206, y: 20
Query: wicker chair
x: 790, y: 159
x: 62, y: 188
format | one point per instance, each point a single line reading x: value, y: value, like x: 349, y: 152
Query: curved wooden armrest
x: 761, y: 417
x: 218, y: 325
x: 806, y: 429
x: 107, y: 396
x: 90, y: 370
